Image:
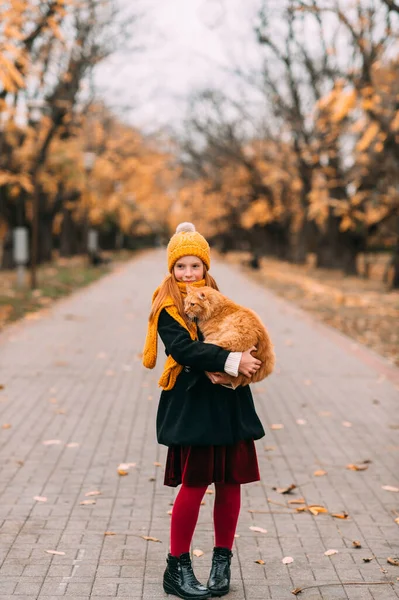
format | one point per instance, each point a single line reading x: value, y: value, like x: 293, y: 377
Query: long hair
x: 170, y: 289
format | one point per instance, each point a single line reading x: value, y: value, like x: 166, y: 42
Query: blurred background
x: 272, y: 125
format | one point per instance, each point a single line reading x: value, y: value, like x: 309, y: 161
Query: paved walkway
x: 77, y: 402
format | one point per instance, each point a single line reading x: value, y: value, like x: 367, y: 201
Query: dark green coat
x: 197, y: 412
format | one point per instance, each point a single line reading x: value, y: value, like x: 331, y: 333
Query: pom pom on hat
x: 187, y: 242
x: 186, y: 226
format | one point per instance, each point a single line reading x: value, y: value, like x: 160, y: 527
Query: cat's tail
x: 265, y: 353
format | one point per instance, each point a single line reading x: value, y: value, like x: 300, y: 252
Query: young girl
x: 208, y: 426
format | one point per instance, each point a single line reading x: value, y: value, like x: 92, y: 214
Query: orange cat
x: 231, y: 326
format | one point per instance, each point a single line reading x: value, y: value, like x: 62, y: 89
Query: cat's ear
x: 201, y: 295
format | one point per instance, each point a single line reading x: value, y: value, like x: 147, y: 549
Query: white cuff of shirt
x: 232, y: 363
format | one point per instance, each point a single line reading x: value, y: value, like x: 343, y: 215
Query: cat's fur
x: 231, y: 326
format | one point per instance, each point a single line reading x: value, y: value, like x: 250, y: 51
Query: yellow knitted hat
x: 188, y: 242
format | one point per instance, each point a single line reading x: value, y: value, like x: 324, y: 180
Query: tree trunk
x: 68, y: 235
x: 395, y: 265
x: 338, y: 249
x: 45, y: 239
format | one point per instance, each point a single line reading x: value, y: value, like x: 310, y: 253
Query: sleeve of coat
x: 188, y: 352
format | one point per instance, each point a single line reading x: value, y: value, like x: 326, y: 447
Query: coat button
x: 187, y: 369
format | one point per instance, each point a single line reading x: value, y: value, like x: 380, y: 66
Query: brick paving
x: 74, y: 376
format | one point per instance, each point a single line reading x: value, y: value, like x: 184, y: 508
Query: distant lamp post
x: 35, y: 115
x: 21, y: 253
x: 89, y: 159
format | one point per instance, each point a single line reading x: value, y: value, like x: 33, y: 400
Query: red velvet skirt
x: 196, y: 466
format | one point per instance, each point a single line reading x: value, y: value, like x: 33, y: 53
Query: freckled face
x: 189, y: 269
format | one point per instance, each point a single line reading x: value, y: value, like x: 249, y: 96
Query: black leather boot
x: 179, y: 579
x: 219, y: 578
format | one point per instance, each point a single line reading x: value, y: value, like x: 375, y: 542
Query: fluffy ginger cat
x: 231, y: 326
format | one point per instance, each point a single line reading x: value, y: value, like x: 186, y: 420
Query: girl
x: 208, y: 426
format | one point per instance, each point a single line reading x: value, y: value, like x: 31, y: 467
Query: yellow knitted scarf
x: 171, y: 369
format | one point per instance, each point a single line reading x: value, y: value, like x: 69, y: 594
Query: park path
x: 73, y: 377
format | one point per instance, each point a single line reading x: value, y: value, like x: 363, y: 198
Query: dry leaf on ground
x: 260, y: 561
x: 301, y: 421
x: 6, y: 426
x: 353, y: 467
x: 343, y: 515
x: 157, y: 464
x: 40, y: 498
x: 368, y: 559
x: 285, y: 490
x: 397, y: 520
x: 287, y: 560
x: 72, y: 445
x: 269, y: 448
x: 209, y: 492
x: 320, y: 473
x: 356, y: 544
x: 393, y: 561
x: 277, y: 426
x: 330, y: 552
x: 87, y: 502
x: 297, y: 501
x: 149, y: 538
x: 346, y: 423
x: 315, y: 509
x: 51, y: 442
x: 258, y: 529
x: 197, y: 552
x: 109, y: 533
x: 56, y: 552
x: 390, y: 488
x: 93, y: 493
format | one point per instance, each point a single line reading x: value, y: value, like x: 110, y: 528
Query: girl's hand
x: 218, y: 377
x: 248, y: 363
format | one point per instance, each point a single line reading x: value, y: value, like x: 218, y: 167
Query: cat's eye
x: 192, y: 303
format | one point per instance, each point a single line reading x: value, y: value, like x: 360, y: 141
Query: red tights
x: 185, y: 515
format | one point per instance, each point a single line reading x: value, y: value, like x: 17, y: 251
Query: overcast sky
x: 187, y: 45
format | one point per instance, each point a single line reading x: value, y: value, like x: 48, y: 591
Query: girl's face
x: 189, y: 269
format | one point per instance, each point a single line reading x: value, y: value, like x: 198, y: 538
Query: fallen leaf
x: 236, y: 535
x: 148, y: 538
x: 286, y: 490
x: 269, y: 448
x: 72, y: 445
x: 202, y: 503
x: 152, y: 479
x: 307, y: 381
x: 397, y: 520
x: 390, y: 488
x: 260, y: 561
x: 276, y: 426
x: 330, y: 552
x: 258, y: 529
x: 93, y: 493
x: 296, y: 591
x: 2, y: 387
x: 122, y: 472
x: 209, y: 492
x: 320, y: 473
x: 368, y: 559
x: 356, y: 544
x: 56, y: 552
x: 287, y: 560
x: 157, y: 464
x: 343, y: 515
x: 198, y: 553
x: 6, y: 426
x: 60, y: 411
x: 346, y: 423
x: 301, y: 421
x: 51, y: 442
x: 169, y: 512
x: 109, y: 533
x: 297, y: 501
x: 357, y: 467
x: 393, y: 561
x: 40, y: 498
x: 86, y: 502
x: 315, y: 509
